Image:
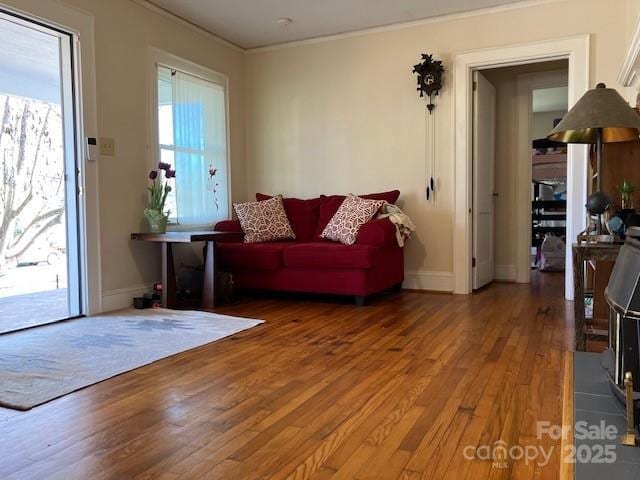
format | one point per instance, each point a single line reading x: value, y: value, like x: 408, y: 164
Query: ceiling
x: 550, y: 100
x: 251, y: 24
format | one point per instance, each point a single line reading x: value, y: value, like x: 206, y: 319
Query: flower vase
x: 157, y: 220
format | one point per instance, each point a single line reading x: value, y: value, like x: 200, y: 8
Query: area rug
x: 47, y: 362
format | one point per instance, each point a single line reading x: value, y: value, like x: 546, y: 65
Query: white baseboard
x: 435, y: 281
x: 505, y: 272
x: 122, y: 297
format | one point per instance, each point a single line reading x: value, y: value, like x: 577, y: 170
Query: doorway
x: 40, y: 259
x: 576, y: 51
x: 519, y: 178
x: 549, y: 173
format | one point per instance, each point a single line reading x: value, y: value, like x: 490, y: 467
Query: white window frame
x: 160, y: 58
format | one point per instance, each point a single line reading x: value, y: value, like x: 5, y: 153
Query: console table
x: 583, y: 252
x: 168, y: 269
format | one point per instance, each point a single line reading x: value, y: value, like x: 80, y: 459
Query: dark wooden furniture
x: 621, y: 161
x: 582, y: 253
x: 168, y: 270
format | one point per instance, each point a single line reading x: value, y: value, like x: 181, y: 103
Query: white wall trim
x: 628, y: 74
x: 429, y: 280
x: 505, y: 272
x: 122, y: 297
x: 526, y: 84
x: 402, y: 25
x: 576, y: 49
x: 186, y: 23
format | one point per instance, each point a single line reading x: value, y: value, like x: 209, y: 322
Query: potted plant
x: 158, y: 191
x: 626, y: 190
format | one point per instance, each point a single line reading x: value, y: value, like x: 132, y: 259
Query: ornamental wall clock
x: 429, y: 77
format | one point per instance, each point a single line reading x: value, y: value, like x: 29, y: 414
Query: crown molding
x: 337, y: 36
x: 402, y: 25
x: 629, y: 69
x: 186, y: 23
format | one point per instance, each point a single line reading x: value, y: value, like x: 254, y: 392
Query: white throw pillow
x: 352, y: 214
x: 264, y: 221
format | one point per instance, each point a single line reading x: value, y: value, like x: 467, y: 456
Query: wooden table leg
x: 578, y: 300
x: 168, y: 277
x: 209, y: 285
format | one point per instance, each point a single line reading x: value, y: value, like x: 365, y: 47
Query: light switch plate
x: 107, y: 146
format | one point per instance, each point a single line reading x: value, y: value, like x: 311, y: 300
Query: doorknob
x: 495, y: 194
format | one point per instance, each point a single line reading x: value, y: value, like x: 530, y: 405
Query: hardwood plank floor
x: 322, y: 390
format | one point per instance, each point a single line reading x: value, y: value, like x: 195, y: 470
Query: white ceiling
x: 251, y: 24
x: 550, y: 100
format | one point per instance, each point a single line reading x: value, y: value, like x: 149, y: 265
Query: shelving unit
x: 547, y: 216
x: 543, y: 211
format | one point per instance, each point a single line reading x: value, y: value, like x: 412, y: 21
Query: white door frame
x: 526, y: 84
x: 574, y: 49
x: 79, y: 24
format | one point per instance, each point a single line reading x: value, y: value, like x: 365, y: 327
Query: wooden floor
x: 322, y: 390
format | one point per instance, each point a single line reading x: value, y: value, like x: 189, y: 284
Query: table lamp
x: 600, y: 116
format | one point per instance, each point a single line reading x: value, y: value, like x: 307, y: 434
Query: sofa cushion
x: 352, y: 214
x: 251, y: 256
x: 323, y: 255
x: 329, y: 205
x: 302, y: 214
x: 264, y: 221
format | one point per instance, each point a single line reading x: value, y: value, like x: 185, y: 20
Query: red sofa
x: 311, y: 264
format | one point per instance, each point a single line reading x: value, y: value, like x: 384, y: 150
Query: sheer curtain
x: 200, y: 138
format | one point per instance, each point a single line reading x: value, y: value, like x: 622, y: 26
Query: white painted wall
x: 542, y: 123
x: 331, y: 116
x: 343, y: 115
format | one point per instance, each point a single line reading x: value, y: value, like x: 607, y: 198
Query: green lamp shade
x: 602, y: 108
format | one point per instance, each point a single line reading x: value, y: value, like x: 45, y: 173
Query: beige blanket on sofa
x: 404, y: 226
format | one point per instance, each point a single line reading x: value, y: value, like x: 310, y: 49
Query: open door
x: 40, y: 258
x: 484, y: 123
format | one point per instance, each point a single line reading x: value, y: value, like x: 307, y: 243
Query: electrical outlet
x: 107, y: 146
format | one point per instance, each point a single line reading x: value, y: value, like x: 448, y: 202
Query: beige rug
x: 45, y: 363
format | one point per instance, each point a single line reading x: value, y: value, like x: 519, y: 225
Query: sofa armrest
x: 228, y: 226
x: 379, y: 233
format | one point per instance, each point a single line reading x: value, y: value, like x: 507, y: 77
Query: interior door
x: 484, y: 125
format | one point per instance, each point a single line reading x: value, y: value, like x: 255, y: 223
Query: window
x: 192, y: 138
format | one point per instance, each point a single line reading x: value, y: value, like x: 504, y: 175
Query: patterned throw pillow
x: 352, y: 214
x: 264, y: 221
